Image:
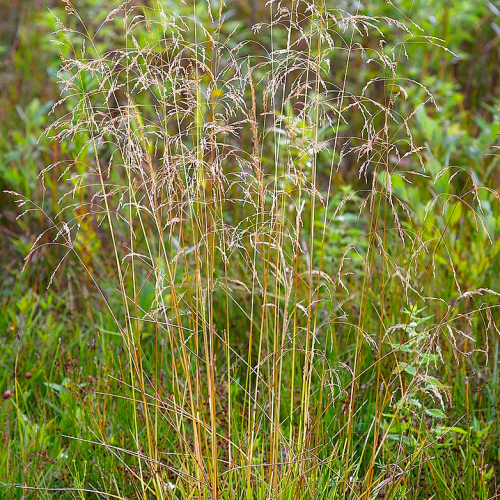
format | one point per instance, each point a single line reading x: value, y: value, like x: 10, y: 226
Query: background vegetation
x: 250, y: 250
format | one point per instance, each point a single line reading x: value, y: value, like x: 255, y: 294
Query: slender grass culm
x: 284, y: 335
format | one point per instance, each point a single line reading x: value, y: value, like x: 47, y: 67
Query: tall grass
x: 285, y: 334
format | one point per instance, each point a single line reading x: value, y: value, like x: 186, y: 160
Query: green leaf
x: 435, y: 413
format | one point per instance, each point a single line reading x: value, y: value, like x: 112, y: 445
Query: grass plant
x: 286, y: 291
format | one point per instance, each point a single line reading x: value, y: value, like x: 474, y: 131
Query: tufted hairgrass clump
x: 276, y: 252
